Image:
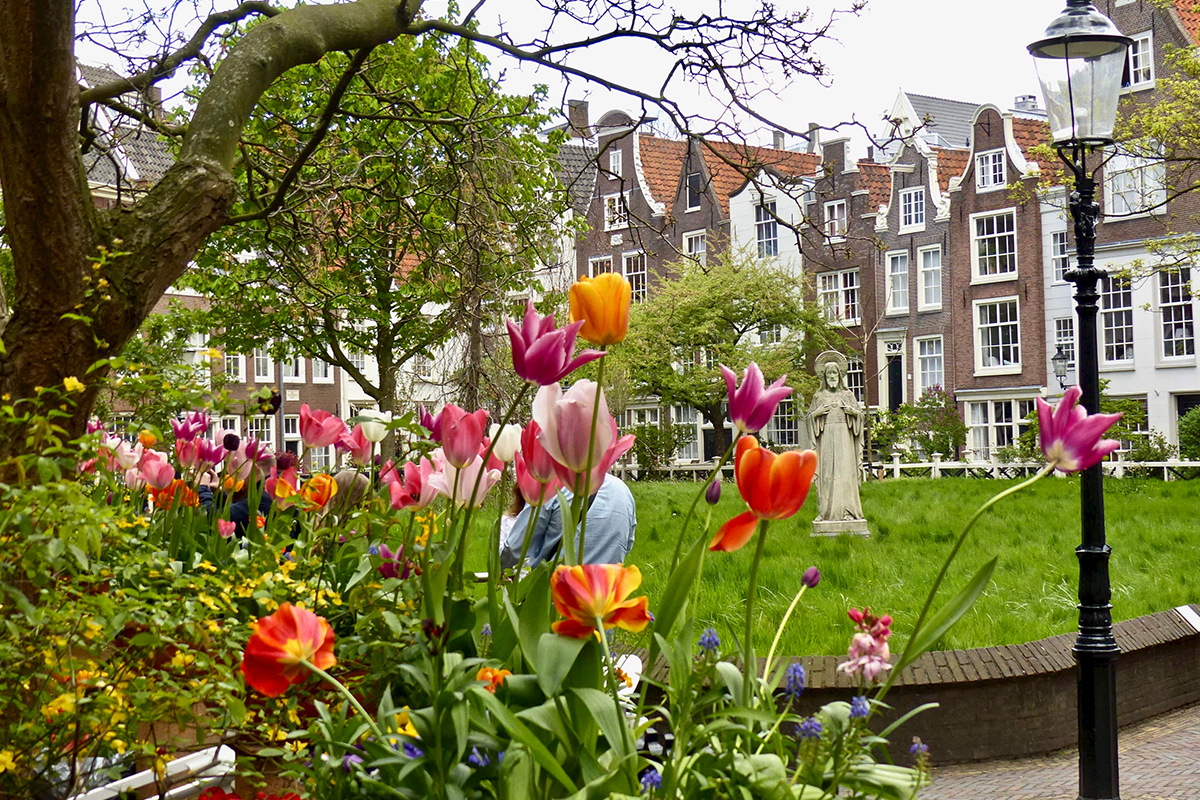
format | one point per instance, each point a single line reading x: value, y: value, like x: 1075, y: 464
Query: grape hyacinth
x: 651, y: 780
x: 810, y: 728
x: 859, y: 707
x: 918, y: 748
x: 412, y: 751
x: 709, y: 641
x: 478, y: 758
x: 794, y: 685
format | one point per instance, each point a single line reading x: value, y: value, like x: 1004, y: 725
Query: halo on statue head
x: 828, y: 357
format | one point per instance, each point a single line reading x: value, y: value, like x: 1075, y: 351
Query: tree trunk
x: 713, y: 416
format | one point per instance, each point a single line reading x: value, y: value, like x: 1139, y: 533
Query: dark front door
x: 1186, y: 402
x: 895, y: 370
x: 710, y: 445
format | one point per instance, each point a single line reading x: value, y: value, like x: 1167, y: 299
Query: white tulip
x: 506, y: 442
x: 377, y: 430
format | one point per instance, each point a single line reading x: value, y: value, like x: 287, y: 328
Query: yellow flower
x: 72, y: 384
x: 182, y: 659
x: 603, y: 305
x: 64, y: 702
x: 404, y: 724
x: 6, y: 761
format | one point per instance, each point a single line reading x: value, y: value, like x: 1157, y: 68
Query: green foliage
x: 1189, y: 434
x: 656, y: 445
x: 891, y: 432
x: 937, y: 426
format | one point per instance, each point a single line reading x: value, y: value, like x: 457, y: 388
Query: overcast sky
x: 958, y: 49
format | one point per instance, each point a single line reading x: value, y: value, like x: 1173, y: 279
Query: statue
x: 835, y: 428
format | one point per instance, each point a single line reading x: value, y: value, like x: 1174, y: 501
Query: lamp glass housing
x: 1059, y: 361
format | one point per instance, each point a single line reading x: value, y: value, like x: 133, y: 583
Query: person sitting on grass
x: 611, y: 523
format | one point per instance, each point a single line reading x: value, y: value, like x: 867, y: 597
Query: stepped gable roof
x: 950, y: 164
x: 877, y: 180
x: 1189, y: 17
x: 949, y: 120
x: 1030, y: 133
x: 577, y: 172
x: 662, y: 162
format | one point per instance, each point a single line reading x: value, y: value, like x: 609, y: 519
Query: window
x: 292, y: 370
x: 783, y: 429
x: 614, y: 165
x: 322, y: 371
x: 1058, y: 255
x: 1116, y: 315
x: 996, y: 423
x: 640, y: 417
x: 995, y: 240
x: 897, y: 295
x: 229, y: 424
x: 358, y: 360
x: 233, y: 367
x: 695, y: 246
x: 263, y: 368
x: 766, y: 230
x: 1064, y: 337
x: 262, y: 428
x: 689, y: 441
x: 837, y: 292
x: 912, y: 208
x: 710, y: 358
x: 855, y: 379
x: 930, y: 367
x: 1141, y: 430
x: 291, y: 427
x: 989, y: 170
x: 320, y: 459
x: 422, y: 366
x: 695, y: 190
x: 997, y: 336
x: 977, y: 421
x: 770, y: 334
x: 599, y: 266
x: 635, y: 273
x: 1175, y: 303
x: 616, y: 212
x: 1139, y: 62
x: 1134, y: 185
x: 930, y: 298
x: 835, y: 218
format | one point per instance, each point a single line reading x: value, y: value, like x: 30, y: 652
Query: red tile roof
x: 950, y: 164
x: 662, y: 164
x: 1029, y: 133
x: 877, y: 180
x: 1189, y: 15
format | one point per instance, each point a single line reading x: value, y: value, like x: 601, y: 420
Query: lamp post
x: 1080, y: 61
x: 1059, y: 362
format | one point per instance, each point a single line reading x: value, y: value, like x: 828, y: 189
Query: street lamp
x: 1059, y: 362
x: 1080, y: 60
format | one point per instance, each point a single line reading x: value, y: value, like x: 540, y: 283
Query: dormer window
x: 990, y: 170
x: 614, y: 166
x: 912, y: 208
x: 695, y: 190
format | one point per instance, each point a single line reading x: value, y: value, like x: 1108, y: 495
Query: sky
x: 957, y: 49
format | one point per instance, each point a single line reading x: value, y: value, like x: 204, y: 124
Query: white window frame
x: 897, y: 282
x: 687, y: 191
x: 316, y: 377
x: 639, y: 278
x: 1134, y: 186
x: 912, y: 210
x: 836, y: 224
x: 230, y: 423
x: 699, y: 253
x: 422, y: 367
x: 1002, y: 369
x: 1110, y: 324
x: 1142, y: 46
x: 298, y: 362
x: 269, y: 419
x: 1060, y: 262
x: 836, y: 286
x: 291, y: 427
x: 770, y: 334
x: 976, y: 264
x: 263, y: 354
x: 616, y: 218
x: 320, y: 459
x: 685, y: 418
x: 614, y: 166
x: 1177, y: 298
x: 1064, y: 337
x: 987, y: 428
x: 991, y: 170
x: 927, y: 273
x: 597, y: 260
x: 920, y: 359
x: 856, y: 378
x: 784, y: 426
x: 358, y: 359
x: 766, y: 228
x: 239, y: 362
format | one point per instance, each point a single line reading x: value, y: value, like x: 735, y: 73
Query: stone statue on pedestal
x: 835, y: 428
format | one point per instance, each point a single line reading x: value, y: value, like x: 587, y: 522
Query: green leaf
x: 937, y: 625
x: 437, y: 590
x: 731, y: 676
x: 556, y: 655
x: 521, y: 734
x: 605, y: 713
x: 534, y: 615
x: 883, y: 734
x: 569, y: 524
x: 678, y: 588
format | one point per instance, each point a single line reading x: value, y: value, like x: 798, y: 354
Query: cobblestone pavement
x: 1160, y: 760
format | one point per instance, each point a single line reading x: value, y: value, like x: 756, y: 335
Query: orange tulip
x: 492, y: 677
x: 147, y: 439
x: 603, y: 305
x: 280, y: 642
x: 773, y: 486
x: 174, y: 494
x: 589, y: 592
x: 318, y: 490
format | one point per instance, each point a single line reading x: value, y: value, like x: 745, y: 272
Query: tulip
x: 231, y: 441
x: 430, y: 423
x: 712, y: 495
x: 147, y: 438
x: 752, y: 405
x: 174, y: 494
x: 535, y: 492
x: 1070, y: 437
x: 773, y: 486
x: 492, y: 677
x: 375, y: 430
x: 602, y: 303
x: 461, y: 433
x: 319, y: 490
x: 485, y: 445
x: 319, y: 428
x: 812, y: 576
x: 133, y: 479
x: 505, y: 442
x: 458, y: 483
x: 540, y: 353
x: 538, y: 460
x: 283, y: 486
x: 198, y: 453
x: 95, y: 426
x: 193, y: 424
x: 394, y: 565
x: 116, y: 452
x: 566, y: 427
x: 357, y: 445
x: 588, y: 594
x: 155, y: 471
x: 280, y: 643
x: 225, y: 528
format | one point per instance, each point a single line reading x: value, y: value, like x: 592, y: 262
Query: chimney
x: 871, y: 154
x: 1026, y: 102
x: 814, y: 137
x: 577, y: 119
x: 777, y: 140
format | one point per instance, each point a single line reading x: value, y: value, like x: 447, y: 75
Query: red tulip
x: 773, y: 486
x: 415, y: 490
x: 534, y: 491
x: 590, y: 592
x: 320, y: 428
x: 462, y: 433
x: 1070, y: 437
x: 538, y: 460
x: 278, y: 645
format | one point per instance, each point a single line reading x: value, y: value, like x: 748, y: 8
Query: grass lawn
x: 1153, y: 528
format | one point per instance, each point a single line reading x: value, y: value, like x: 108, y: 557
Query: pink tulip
x: 752, y: 405
x: 462, y: 434
x: 320, y: 428
x: 133, y: 479
x: 117, y: 452
x: 535, y: 492
x: 198, y: 453
x: 357, y: 445
x: 416, y: 490
x: 225, y: 528
x: 540, y: 353
x: 566, y: 430
x: 617, y: 447
x: 430, y: 423
x: 459, y: 483
x: 1070, y: 437
x: 538, y: 460
x: 155, y: 471
x: 493, y: 460
x: 193, y: 424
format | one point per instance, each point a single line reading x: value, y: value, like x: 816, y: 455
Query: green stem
x: 692, y: 508
x: 612, y: 689
x: 587, y: 478
x: 750, y: 663
x: 529, y: 529
x: 350, y: 698
x: 782, y: 625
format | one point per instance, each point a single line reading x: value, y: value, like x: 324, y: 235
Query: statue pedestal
x: 853, y: 527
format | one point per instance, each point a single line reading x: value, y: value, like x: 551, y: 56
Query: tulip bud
x: 507, y: 441
x: 812, y: 576
x: 275, y: 400
x: 712, y: 495
x: 231, y: 442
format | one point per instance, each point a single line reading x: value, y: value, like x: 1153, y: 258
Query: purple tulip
x: 712, y: 495
x: 1070, y: 437
x: 95, y: 426
x: 752, y: 405
x: 394, y: 565
x: 541, y: 353
x: 193, y: 424
x: 231, y: 441
x: 812, y: 576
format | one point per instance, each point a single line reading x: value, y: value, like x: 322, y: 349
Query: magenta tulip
x: 193, y: 424
x: 535, y: 492
x: 430, y: 423
x: 357, y: 445
x: 198, y: 453
x: 462, y: 434
x: 538, y: 460
x: 541, y: 353
x: 752, y: 405
x: 1070, y: 437
x: 416, y: 490
x: 320, y: 428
